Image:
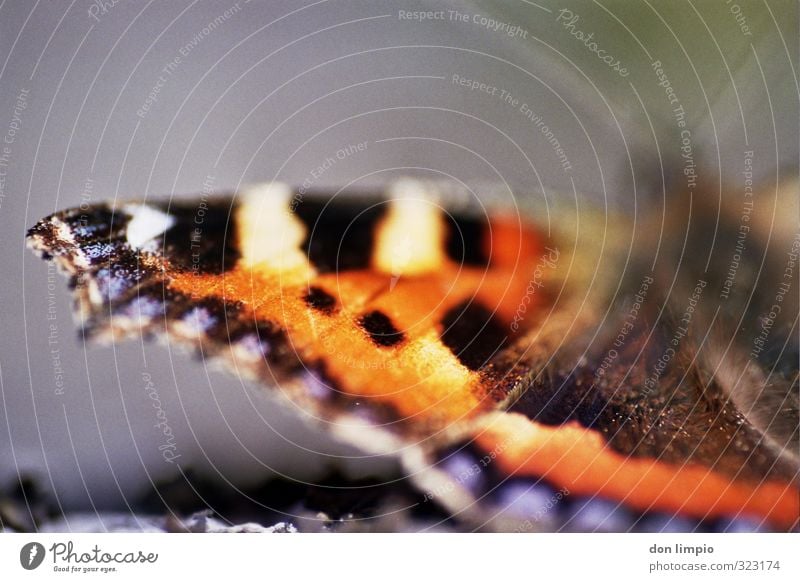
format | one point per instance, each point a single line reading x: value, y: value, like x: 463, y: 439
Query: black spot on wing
x: 341, y: 234
x: 319, y: 299
x: 472, y: 333
x: 465, y: 240
x: 381, y: 329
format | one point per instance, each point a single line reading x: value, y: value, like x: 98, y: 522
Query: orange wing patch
x: 403, y: 362
x: 578, y: 458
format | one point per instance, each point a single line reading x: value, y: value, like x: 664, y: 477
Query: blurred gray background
x: 103, y: 100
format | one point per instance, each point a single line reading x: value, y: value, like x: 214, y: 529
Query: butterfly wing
x: 471, y: 342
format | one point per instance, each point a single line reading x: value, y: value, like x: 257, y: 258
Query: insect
x: 535, y: 364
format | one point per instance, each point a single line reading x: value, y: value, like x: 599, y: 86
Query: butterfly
x: 535, y: 362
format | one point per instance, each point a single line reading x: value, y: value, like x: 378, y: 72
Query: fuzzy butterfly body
x: 501, y: 352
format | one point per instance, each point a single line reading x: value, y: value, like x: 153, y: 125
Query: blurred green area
x: 707, y: 45
x: 731, y: 65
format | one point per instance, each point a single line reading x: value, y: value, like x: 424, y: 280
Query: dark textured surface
x: 684, y: 416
